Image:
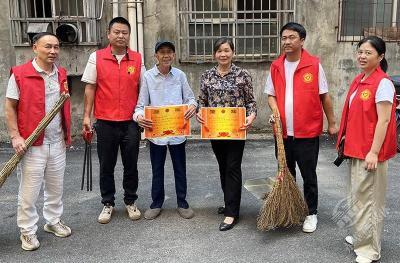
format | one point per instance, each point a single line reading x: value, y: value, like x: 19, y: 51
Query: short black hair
x: 38, y: 36
x: 295, y: 27
x: 119, y: 20
x: 379, y: 45
x: 223, y: 40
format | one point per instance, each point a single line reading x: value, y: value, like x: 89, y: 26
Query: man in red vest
x: 297, y: 87
x: 33, y: 89
x: 112, y: 77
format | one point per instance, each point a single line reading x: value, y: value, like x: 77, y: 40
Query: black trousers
x: 229, y: 155
x: 111, y: 137
x: 304, y: 152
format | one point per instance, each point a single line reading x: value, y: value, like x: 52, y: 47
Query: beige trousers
x: 367, y: 192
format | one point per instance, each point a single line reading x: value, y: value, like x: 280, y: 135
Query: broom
x: 284, y: 206
x: 12, y: 163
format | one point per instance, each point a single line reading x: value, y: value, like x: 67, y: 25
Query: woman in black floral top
x: 227, y: 85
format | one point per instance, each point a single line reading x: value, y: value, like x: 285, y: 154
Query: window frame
x: 267, y: 54
x: 378, y: 30
x: 88, y: 24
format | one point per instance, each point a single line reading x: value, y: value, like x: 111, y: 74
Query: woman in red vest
x: 368, y: 130
x: 227, y: 85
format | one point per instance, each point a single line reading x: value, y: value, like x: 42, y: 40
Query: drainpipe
x: 115, y: 5
x: 394, y: 13
x: 133, y: 21
x: 140, y: 29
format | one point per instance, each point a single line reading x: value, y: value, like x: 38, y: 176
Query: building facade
x: 333, y: 30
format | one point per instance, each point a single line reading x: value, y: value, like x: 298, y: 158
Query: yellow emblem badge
x: 308, y: 78
x: 365, y: 94
x: 66, y: 86
x: 131, y: 69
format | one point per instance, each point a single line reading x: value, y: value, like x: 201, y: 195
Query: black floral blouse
x: 234, y: 89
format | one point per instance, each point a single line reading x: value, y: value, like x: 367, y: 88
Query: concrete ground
x: 170, y: 238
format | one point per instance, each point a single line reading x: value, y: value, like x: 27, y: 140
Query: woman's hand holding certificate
x: 224, y: 123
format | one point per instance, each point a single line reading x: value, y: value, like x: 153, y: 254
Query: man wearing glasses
x: 298, y: 88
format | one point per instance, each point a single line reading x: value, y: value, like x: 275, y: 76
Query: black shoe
x: 221, y: 210
x: 224, y: 226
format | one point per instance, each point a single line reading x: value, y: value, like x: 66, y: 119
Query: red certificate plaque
x: 223, y: 123
x: 168, y: 121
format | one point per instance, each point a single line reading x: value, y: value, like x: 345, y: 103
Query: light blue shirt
x: 162, y: 90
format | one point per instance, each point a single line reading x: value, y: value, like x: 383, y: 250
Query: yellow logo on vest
x: 365, y: 94
x: 131, y: 69
x: 308, y: 77
x: 66, y: 86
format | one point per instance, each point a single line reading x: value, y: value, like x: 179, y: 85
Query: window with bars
x: 361, y: 18
x: 28, y: 17
x: 252, y: 24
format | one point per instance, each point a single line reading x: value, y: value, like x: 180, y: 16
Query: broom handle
x: 46, y: 120
x: 279, y: 141
x: 12, y: 163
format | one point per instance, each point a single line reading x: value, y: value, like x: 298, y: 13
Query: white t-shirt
x: 290, y: 68
x: 90, y: 73
x: 385, y: 92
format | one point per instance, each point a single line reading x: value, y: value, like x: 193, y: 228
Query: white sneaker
x: 59, y: 229
x: 133, y: 211
x: 349, y: 240
x: 29, y: 242
x: 105, y: 215
x: 361, y: 259
x: 310, y: 224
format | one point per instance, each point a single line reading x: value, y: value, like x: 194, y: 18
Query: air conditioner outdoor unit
x: 67, y: 33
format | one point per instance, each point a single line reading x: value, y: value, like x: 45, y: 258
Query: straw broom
x: 284, y: 206
x: 12, y: 163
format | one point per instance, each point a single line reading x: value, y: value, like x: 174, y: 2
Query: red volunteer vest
x: 117, y: 86
x: 307, y: 107
x: 31, y: 104
x: 359, y: 128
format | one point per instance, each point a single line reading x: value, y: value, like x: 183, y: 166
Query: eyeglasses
x: 291, y: 38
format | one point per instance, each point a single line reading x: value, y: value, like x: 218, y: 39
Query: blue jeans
x: 158, y: 153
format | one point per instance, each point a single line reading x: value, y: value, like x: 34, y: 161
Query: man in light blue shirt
x: 165, y: 85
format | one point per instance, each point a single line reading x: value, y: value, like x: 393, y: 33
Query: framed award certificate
x: 223, y: 123
x: 168, y: 121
